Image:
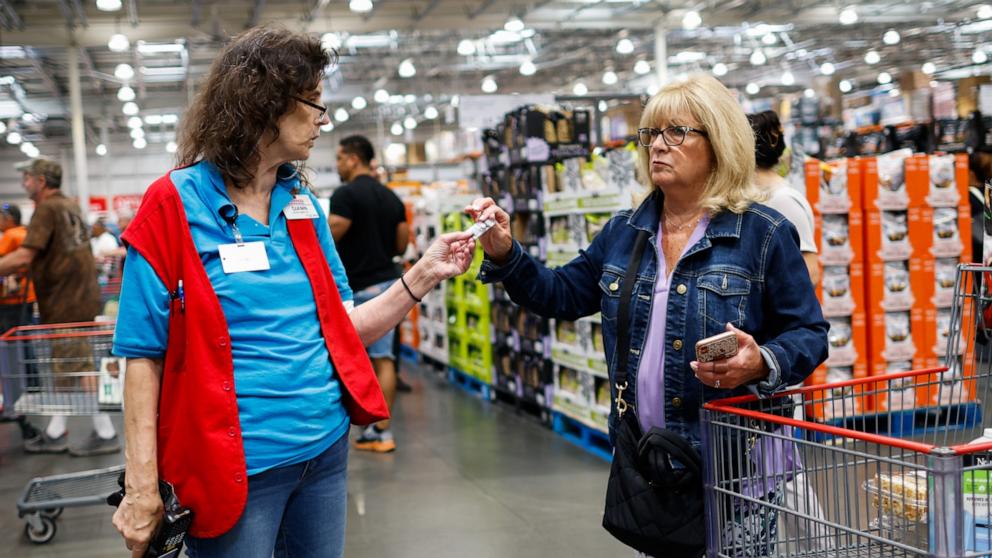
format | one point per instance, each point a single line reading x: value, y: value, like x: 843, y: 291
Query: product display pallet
x: 522, y: 405
x: 590, y: 439
x: 471, y: 385
x: 912, y: 423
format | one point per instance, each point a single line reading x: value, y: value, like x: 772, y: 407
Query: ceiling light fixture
x: 466, y: 47
x: 360, y: 6
x: 720, y: 69
x: 809, y: 93
x: 329, y: 127
x: 848, y: 16
x: 3, y: 127
x: 610, y: 77
x: 101, y: 150
x: 625, y: 46
x: 891, y: 37
x: 125, y: 94
x: 788, y: 78
x: 330, y: 41
x: 26, y: 148
x: 514, y: 25
x: 984, y: 11
x: 137, y: 133
x: 130, y: 108
x: 528, y: 68
x: 642, y: 67
x: 124, y: 72
x: 407, y: 69
x: 139, y: 143
x: 108, y: 5
x: 409, y: 98
x: 396, y: 129
x: 153, y: 119
x: 410, y: 123
x: 691, y: 20
x: 884, y: 78
x: 455, y: 100
x: 118, y: 42
x: 381, y: 96
x: 359, y: 102
x: 580, y: 89
x: 603, y: 106
x: 489, y: 85
x: 430, y: 113
x: 872, y: 57
x: 752, y: 88
x: 13, y: 138
x: 979, y: 57
x: 894, y: 92
x: 845, y: 86
x: 134, y: 122
x: 170, y: 118
x: 769, y: 39
x: 827, y: 69
x: 758, y: 57
x: 171, y: 147
x: 928, y: 68
x: 341, y: 115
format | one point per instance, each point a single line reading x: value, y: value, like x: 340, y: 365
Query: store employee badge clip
x: 250, y: 256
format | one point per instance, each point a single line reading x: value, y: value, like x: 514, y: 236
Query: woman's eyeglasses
x: 321, y: 108
x: 672, y: 136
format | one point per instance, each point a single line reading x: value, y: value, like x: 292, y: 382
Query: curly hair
x: 248, y: 89
x: 768, y: 141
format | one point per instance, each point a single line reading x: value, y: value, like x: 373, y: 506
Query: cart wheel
x: 52, y: 512
x: 44, y: 535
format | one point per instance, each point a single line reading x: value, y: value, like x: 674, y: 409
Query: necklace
x: 680, y: 227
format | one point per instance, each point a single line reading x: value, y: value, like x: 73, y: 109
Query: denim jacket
x: 747, y: 270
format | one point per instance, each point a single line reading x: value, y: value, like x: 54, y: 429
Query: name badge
x: 300, y: 208
x: 250, y: 256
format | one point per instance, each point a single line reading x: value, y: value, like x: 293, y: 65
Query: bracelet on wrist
x: 407, y: 287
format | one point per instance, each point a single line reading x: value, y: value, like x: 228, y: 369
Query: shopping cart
x: 872, y: 467
x: 64, y: 369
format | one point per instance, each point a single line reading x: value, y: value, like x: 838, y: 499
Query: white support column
x: 78, y: 132
x: 661, y: 52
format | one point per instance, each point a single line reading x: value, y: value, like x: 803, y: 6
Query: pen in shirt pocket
x: 182, y: 296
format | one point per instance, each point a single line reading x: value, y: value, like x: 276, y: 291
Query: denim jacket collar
x: 725, y: 224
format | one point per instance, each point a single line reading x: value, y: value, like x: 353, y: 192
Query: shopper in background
x: 722, y: 263
x: 769, y: 145
x: 18, y: 292
x: 57, y: 251
x: 245, y: 366
x: 102, y: 241
x: 369, y: 225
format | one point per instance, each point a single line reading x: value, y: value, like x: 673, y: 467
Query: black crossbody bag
x: 654, y: 499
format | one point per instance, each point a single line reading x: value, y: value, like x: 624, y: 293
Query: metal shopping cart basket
x: 872, y: 467
x: 64, y: 369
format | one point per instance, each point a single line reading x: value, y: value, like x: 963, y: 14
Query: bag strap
x: 623, y: 320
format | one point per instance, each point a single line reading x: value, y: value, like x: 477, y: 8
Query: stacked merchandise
x: 905, y: 223
x: 470, y: 350
x: 409, y: 328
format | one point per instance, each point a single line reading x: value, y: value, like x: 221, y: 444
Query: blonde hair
x: 730, y: 185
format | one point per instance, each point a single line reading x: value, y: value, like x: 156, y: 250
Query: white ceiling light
x: 137, y: 133
x: 359, y: 102
x: 118, y: 42
x: 489, y: 85
x: 125, y: 94
x: 894, y: 92
x: 466, y: 47
x: 407, y: 69
x: 124, y: 72
x: 171, y: 147
x: 410, y: 123
x: 101, y: 150
x: 170, y: 118
x: 872, y: 57
x: 769, y: 39
x: 341, y: 115
x: 610, y: 77
x: 455, y: 100
x: 642, y: 67
x: 827, y: 69
x: 134, y: 122
x: 752, y: 88
x: 396, y: 129
x: 153, y: 119
x: 788, y: 78
x: 758, y: 57
x: 409, y: 98
x: 603, y: 106
x: 330, y: 41
x: 430, y: 113
x: 928, y: 68
x: 329, y: 127
x: 26, y: 147
x: 360, y: 6
x: 130, y: 108
x: 848, y: 16
x: 691, y: 20
x: 514, y: 25
x: 580, y: 89
x: 884, y: 78
x: 979, y: 57
x: 653, y: 89
x: 625, y: 46
x: 381, y: 96
x: 3, y: 127
x: 528, y: 68
x: 139, y: 143
x: 13, y: 138
x: 891, y: 37
x: 845, y: 86
x: 108, y: 5
x: 809, y: 93
x: 719, y: 69
x: 984, y: 11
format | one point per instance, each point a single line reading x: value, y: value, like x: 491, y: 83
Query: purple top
x: 651, y: 371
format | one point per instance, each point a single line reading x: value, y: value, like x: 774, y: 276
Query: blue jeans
x: 296, y: 511
x: 383, y: 347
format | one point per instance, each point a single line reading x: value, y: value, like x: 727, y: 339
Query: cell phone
x: 718, y: 347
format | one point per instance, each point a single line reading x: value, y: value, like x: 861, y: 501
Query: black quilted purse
x: 654, y: 499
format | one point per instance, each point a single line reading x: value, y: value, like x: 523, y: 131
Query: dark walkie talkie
x: 168, y: 540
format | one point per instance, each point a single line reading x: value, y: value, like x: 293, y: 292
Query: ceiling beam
x: 315, y: 10
x: 132, y: 12
x: 87, y: 60
x: 256, y: 12
x: 11, y: 19
x: 426, y: 11
x: 77, y: 7
x: 482, y: 7
x: 196, y: 10
x: 67, y: 13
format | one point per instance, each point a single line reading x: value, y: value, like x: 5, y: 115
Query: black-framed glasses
x: 311, y: 104
x: 672, y: 135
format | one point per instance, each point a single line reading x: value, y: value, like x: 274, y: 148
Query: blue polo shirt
x: 289, y: 400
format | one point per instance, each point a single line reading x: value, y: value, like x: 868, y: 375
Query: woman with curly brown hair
x: 246, y: 358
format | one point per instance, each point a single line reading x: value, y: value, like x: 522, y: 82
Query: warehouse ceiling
x: 171, y: 44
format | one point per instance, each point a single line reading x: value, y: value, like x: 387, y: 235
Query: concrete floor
x: 469, y: 479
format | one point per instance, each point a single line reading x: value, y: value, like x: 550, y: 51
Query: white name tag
x: 250, y: 256
x: 300, y: 208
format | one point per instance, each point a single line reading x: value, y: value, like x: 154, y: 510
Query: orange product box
x: 948, y: 180
x: 939, y: 274
x: 841, y: 289
x: 955, y: 386
x: 848, y: 341
x: 839, y: 238
x: 951, y: 230
x: 898, y: 394
x: 833, y: 187
x: 898, y: 235
x: 897, y: 285
x: 896, y: 336
x: 839, y: 402
x: 895, y: 181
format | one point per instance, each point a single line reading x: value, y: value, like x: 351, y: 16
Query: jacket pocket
x: 175, y: 354
x: 722, y: 298
x: 611, y: 283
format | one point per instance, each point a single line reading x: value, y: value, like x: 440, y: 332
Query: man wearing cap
x: 57, y: 251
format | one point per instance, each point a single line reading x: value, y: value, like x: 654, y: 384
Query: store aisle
x: 470, y: 479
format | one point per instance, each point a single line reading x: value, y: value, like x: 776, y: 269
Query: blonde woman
x: 715, y: 261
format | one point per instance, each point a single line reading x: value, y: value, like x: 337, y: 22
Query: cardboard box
x: 895, y: 181
x: 841, y: 289
x: 953, y: 387
x: 895, y: 286
x: 836, y: 403
x: 951, y: 230
x: 896, y: 336
x: 948, y: 180
x: 839, y: 238
x: 899, y: 394
x: 848, y: 342
x: 833, y: 187
x: 898, y: 235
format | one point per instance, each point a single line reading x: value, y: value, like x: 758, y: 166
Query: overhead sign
x: 486, y: 111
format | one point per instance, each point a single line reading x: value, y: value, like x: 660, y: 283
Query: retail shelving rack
x: 433, y: 318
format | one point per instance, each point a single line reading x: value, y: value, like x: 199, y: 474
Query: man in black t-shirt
x: 368, y: 222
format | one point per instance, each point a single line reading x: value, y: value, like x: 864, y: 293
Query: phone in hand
x: 717, y: 347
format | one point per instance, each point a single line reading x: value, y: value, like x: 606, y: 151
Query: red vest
x: 200, y: 450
